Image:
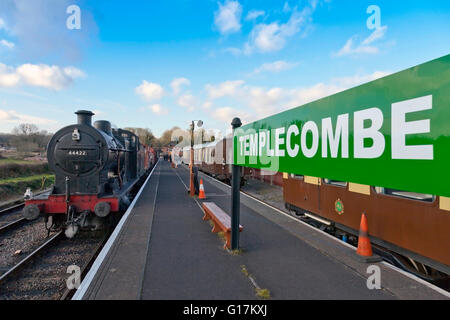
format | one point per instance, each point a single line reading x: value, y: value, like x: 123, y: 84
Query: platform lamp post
x: 191, y: 162
x: 235, y: 194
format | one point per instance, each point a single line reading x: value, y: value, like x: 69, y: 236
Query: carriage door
x: 303, y: 192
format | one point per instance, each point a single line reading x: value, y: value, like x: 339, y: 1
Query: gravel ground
x: 271, y: 194
x: 45, y: 278
x: 16, y: 244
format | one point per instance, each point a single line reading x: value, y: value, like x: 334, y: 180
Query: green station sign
x: 393, y: 132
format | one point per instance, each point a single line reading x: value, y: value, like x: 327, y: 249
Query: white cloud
x: 272, y: 37
x: 254, y: 14
x: 227, y: 18
x: 187, y: 101
x: 14, y: 117
x: 276, y: 66
x: 150, y: 91
x: 226, y: 114
x: 365, y: 46
x: 223, y: 89
x: 376, y: 35
x: 234, y: 51
x: 50, y: 77
x: 158, y: 109
x: 7, y: 44
x: 2, y: 24
x: 177, y: 83
x: 207, y: 105
x: 267, y: 101
x: 8, y: 76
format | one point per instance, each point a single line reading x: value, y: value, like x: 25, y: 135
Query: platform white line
x: 409, y: 275
x: 81, y: 291
x: 196, y: 201
x: 182, y: 181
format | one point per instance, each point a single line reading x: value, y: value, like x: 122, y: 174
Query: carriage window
x: 406, y: 194
x: 296, y: 176
x: 335, y: 182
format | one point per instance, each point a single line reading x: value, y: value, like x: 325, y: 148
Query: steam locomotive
x: 95, y: 169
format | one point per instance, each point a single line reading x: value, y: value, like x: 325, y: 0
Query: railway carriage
x: 411, y: 229
x: 215, y: 158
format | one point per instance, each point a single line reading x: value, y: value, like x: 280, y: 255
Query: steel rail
x: 16, y: 268
x: 12, y: 224
x: 68, y: 293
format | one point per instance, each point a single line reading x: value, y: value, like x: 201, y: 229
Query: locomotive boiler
x: 95, y: 167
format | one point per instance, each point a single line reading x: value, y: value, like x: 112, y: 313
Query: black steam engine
x: 95, y: 168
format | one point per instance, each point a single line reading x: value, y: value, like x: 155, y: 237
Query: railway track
x: 25, y: 249
x: 17, y: 267
x: 43, y: 273
x: 13, y: 224
x: 13, y: 208
x: 36, y: 267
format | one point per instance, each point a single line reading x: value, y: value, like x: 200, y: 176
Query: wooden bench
x: 221, y: 220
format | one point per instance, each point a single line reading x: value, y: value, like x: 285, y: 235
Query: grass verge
x: 15, y: 187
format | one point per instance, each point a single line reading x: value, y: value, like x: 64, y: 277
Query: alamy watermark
x: 374, y: 280
x: 74, y: 280
x: 73, y: 22
x: 374, y: 21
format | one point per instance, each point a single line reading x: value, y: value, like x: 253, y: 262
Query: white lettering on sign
x: 241, y: 140
x: 246, y: 146
x: 360, y: 134
x: 368, y: 140
x: 270, y: 152
x: 310, y: 126
x: 253, y: 145
x: 341, y: 134
x: 278, y: 142
x: 262, y: 142
x: 292, y: 130
x: 399, y: 110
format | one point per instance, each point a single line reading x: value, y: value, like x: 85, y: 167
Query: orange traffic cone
x: 364, y: 251
x: 201, y: 194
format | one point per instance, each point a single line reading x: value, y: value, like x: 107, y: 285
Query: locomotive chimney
x: 84, y: 117
x: 104, y: 126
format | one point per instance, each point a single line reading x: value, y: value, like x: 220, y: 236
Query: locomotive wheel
x: 31, y: 212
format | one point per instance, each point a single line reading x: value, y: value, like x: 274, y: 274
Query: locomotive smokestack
x: 104, y: 126
x: 84, y: 117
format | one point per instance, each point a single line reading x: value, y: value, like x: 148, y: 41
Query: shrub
x: 15, y: 170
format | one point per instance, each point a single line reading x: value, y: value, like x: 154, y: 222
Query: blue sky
x: 157, y: 64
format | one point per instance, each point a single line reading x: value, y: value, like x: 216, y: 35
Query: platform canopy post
x: 235, y: 194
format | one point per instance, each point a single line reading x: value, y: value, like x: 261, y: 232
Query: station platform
x: 163, y: 250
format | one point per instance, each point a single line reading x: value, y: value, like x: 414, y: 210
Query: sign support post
x: 235, y: 195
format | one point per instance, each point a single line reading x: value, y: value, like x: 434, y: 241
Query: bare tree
x: 25, y: 129
x: 26, y: 137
